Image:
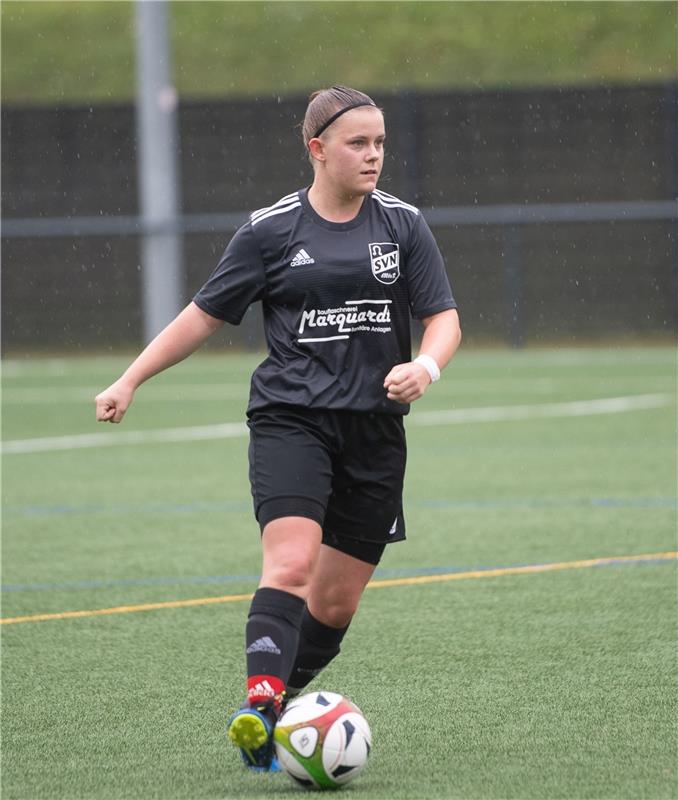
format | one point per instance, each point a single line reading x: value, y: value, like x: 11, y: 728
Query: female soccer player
x: 338, y: 267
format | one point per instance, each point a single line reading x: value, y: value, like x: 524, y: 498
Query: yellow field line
x: 527, y: 570
x: 102, y: 612
x: 379, y: 584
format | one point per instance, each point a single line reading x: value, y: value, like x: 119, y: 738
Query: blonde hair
x: 324, y: 104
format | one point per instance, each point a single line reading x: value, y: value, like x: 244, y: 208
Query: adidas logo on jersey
x: 302, y: 257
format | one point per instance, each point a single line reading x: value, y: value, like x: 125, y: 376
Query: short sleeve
x: 428, y: 285
x: 238, y: 280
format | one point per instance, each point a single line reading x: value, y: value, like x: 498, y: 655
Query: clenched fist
x: 112, y: 403
x: 406, y: 383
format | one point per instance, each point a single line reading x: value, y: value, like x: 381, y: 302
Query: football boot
x: 251, y: 730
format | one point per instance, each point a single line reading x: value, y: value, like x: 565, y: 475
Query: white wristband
x: 430, y: 365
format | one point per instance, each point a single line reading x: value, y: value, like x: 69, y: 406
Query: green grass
x: 84, y: 51
x: 547, y: 685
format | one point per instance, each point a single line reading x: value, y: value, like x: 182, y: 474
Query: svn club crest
x: 385, y: 260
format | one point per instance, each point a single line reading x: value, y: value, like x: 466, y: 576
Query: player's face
x: 354, y: 151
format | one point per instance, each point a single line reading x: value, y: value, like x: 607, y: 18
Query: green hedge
x: 84, y: 51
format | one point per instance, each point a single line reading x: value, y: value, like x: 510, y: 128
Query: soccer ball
x: 322, y: 740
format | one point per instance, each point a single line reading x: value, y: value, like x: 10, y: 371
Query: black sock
x: 272, y: 636
x: 318, y: 645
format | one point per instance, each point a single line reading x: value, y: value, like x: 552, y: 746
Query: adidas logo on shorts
x: 302, y: 257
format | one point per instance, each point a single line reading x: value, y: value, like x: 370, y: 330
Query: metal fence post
x: 158, y: 169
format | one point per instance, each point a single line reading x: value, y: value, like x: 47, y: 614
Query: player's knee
x: 337, y: 612
x: 292, y: 574
x: 291, y: 549
x: 334, y: 604
x: 338, y: 617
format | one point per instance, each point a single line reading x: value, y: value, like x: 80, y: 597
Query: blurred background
x: 540, y: 140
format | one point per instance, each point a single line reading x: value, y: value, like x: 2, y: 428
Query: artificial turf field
x: 479, y: 679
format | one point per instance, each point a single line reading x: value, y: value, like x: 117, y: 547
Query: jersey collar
x: 356, y: 222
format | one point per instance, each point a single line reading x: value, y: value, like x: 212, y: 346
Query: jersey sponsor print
x: 356, y: 316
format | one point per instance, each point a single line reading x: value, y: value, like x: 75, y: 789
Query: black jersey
x: 336, y: 297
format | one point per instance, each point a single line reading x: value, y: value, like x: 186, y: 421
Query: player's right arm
x: 175, y: 343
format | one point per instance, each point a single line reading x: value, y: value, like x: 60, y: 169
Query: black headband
x: 341, y: 111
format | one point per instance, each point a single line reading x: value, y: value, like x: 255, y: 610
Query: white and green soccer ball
x: 322, y: 740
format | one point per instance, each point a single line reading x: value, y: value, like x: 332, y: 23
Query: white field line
x: 201, y: 392
x: 196, y: 392
x: 76, y: 441
x: 176, y: 393
x: 577, y: 408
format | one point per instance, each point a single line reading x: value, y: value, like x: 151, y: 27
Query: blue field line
x: 239, y: 507
x: 532, y: 503
x: 194, y: 507
x: 380, y: 572
x: 190, y: 580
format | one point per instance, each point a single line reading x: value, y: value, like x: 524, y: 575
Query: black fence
x: 555, y: 209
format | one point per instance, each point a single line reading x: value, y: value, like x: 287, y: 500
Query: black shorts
x: 342, y: 469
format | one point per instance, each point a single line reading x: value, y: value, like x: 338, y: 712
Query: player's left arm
x: 406, y: 383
